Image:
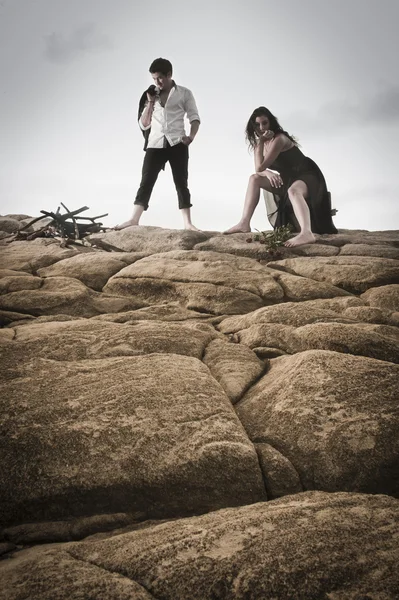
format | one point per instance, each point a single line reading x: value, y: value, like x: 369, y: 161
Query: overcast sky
x: 72, y: 72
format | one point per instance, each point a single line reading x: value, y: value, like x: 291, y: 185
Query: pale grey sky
x: 72, y: 72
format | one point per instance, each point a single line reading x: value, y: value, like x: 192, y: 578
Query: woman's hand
x: 266, y: 136
x: 274, y: 178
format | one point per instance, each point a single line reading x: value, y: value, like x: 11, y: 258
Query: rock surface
x: 309, y: 545
x: 165, y: 374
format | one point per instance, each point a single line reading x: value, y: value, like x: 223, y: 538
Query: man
x: 161, y: 117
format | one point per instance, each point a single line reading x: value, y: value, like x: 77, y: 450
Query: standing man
x: 161, y: 117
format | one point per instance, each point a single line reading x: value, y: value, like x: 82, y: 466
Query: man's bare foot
x: 129, y: 223
x: 301, y: 238
x: 191, y: 227
x: 238, y: 229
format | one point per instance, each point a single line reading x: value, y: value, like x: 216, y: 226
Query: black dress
x: 293, y: 165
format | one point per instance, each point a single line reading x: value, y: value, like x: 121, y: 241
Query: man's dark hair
x: 161, y: 65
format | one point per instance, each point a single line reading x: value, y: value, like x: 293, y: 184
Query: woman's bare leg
x: 297, y: 194
x: 255, y: 184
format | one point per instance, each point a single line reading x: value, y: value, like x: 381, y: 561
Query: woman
x: 298, y: 187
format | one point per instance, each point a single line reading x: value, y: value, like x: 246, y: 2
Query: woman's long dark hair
x: 251, y: 131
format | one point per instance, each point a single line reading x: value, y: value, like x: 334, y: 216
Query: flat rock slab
x: 90, y: 338
x: 334, y: 416
x: 301, y: 289
x: 241, y: 244
x: 151, y: 433
x: 160, y: 312
x: 310, y: 545
x: 293, y: 314
x: 381, y: 342
x: 60, y: 295
x: 355, y: 274
x: 58, y: 576
x: 375, y: 341
x: 385, y: 297
x: 383, y: 251
x: 361, y: 236
x: 150, y: 239
x: 234, y: 366
x: 204, y: 281
x: 92, y: 269
x: 31, y: 256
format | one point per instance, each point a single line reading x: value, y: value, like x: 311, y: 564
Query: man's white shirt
x: 168, y: 121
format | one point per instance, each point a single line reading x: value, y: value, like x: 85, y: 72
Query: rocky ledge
x: 184, y: 416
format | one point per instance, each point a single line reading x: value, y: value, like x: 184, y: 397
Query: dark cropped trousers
x: 155, y: 160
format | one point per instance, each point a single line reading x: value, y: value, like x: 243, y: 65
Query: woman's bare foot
x: 129, y: 223
x: 301, y: 238
x: 239, y: 228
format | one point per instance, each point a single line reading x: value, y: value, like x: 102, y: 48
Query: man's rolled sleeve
x: 191, y: 107
x: 142, y: 126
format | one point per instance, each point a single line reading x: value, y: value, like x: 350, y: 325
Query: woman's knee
x: 297, y: 191
x: 255, y: 179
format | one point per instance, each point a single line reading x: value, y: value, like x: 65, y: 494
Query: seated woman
x: 299, y: 187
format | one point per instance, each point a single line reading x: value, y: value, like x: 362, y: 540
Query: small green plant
x: 272, y: 239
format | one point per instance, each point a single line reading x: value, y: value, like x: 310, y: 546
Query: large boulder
x: 293, y: 314
x: 203, y: 281
x: 31, y: 256
x: 61, y: 295
x: 355, y: 274
x: 309, y: 545
x: 92, y: 269
x: 385, y: 297
x: 334, y: 416
x: 89, y: 338
x: 151, y: 433
x: 149, y: 239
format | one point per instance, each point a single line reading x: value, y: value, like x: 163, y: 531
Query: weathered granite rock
x: 334, y: 416
x: 150, y: 239
x: 9, y: 225
x: 89, y: 339
x: 355, y: 274
x: 234, y: 366
x: 360, y: 339
x: 238, y: 245
x: 67, y: 531
x: 64, y: 295
x: 385, y: 297
x: 148, y: 433
x: 272, y: 335
x: 361, y: 236
x: 300, y: 289
x: 11, y: 273
x: 309, y: 545
x: 18, y: 217
x: 383, y: 251
x: 293, y: 313
x: 202, y: 281
x: 7, y: 317
x: 31, y: 256
x: 280, y: 477
x: 92, y: 269
x: 17, y: 284
x: 370, y: 314
x: 160, y: 312
x: 47, y: 575
x: 110, y: 418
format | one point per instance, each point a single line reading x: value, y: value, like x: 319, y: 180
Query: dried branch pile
x: 64, y: 226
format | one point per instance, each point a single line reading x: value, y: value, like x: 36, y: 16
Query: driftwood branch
x: 64, y: 225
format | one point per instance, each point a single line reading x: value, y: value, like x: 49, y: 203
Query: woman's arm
x: 264, y: 160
